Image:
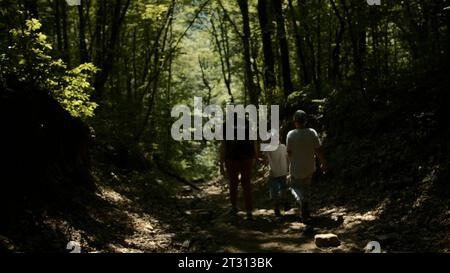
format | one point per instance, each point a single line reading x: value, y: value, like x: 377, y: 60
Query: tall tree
x: 249, y: 83
x: 265, y: 23
x: 57, y: 10
x: 304, y: 75
x: 108, y: 40
x: 284, y: 50
x: 223, y: 47
x: 65, y: 33
x: 357, y: 37
x: 336, y: 54
x: 82, y: 32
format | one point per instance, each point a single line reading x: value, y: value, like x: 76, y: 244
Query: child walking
x: 278, y: 162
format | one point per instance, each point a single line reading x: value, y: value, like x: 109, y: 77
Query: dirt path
x: 134, y: 213
x: 216, y: 231
x: 135, y: 220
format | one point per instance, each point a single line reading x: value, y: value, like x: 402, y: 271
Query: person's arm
x: 320, y: 153
x: 288, y: 155
x: 288, y: 160
x: 288, y: 148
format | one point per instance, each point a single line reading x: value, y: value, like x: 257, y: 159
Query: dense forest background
x: 87, y: 91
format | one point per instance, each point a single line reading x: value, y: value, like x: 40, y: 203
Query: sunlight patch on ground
x: 355, y: 219
x: 351, y: 219
x: 142, y: 224
x: 148, y: 236
x: 335, y: 211
x: 214, y: 190
x: 112, y: 196
x: 296, y: 226
x: 263, y: 212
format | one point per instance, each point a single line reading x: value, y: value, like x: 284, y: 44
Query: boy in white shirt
x: 278, y: 162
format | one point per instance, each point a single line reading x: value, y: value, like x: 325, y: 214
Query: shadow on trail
x: 89, y: 220
x: 326, y: 222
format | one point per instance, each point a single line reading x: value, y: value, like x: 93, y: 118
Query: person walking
x: 303, y: 146
x: 237, y: 158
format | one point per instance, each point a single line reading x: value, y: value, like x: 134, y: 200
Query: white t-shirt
x: 302, y: 143
x: 278, y: 161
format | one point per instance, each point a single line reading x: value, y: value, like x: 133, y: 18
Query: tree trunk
x: 269, y: 62
x: 222, y: 44
x: 57, y: 10
x: 107, y: 57
x: 304, y: 76
x: 284, y: 50
x: 249, y: 83
x: 160, y: 49
x: 336, y: 55
x: 319, y: 52
x: 356, y: 49
x: 82, y: 34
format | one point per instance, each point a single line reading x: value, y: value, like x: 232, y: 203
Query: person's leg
x: 273, y: 189
x: 233, y: 175
x: 283, y: 192
x: 295, y: 190
x: 274, y: 184
x: 297, y: 193
x: 246, y: 175
x: 271, y: 185
x: 305, y: 189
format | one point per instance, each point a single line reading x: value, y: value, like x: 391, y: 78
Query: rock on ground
x: 327, y: 240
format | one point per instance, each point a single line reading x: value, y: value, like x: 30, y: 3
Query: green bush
x: 28, y: 59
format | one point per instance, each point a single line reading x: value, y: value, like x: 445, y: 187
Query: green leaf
x: 33, y: 24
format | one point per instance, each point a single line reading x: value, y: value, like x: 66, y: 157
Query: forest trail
x: 198, y: 221
x: 221, y: 232
x: 128, y: 215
